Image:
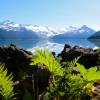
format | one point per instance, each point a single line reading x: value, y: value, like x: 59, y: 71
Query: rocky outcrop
x: 15, y: 59
x: 88, y: 56
x: 36, y: 80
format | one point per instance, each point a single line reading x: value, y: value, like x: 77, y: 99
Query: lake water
x: 56, y: 45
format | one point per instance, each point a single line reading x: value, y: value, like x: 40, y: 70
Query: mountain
x: 10, y: 29
x: 73, y: 32
x: 41, y: 31
x: 95, y: 36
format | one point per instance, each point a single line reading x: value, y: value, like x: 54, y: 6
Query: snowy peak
x: 74, y: 32
x: 8, y: 25
x: 45, y: 31
x: 39, y: 29
x: 82, y: 29
x: 71, y: 29
x: 86, y: 29
x: 7, y: 22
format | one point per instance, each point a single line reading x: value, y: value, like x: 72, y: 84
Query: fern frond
x: 70, y: 65
x: 45, y: 57
x: 93, y: 74
x: 6, y: 84
x: 73, y: 62
x: 89, y: 75
x: 82, y: 70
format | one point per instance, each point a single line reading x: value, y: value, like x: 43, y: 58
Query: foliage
x: 89, y: 75
x: 64, y: 84
x: 69, y: 66
x: 45, y: 57
x: 6, y: 84
x: 67, y: 87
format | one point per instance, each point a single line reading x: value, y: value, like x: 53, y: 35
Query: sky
x: 52, y: 13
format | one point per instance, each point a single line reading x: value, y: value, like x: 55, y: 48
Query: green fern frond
x: 89, y: 75
x: 6, y: 84
x: 73, y: 62
x: 45, y: 57
x: 74, y: 76
x: 70, y: 65
x: 82, y: 70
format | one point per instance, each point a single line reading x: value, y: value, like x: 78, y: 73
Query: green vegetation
x: 67, y: 81
x: 6, y: 84
x: 45, y: 57
x: 64, y: 84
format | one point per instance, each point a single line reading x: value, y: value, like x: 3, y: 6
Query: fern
x: 6, y: 84
x: 46, y: 58
x: 89, y: 75
x: 70, y: 65
x: 75, y: 87
x: 67, y: 86
x: 82, y: 70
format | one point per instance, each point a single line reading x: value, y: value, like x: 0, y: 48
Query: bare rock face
x: 15, y: 59
x: 89, y: 57
x: 35, y: 81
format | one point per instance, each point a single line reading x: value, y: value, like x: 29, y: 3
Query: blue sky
x: 53, y: 13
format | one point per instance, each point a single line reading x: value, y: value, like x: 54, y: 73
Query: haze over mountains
x: 10, y: 29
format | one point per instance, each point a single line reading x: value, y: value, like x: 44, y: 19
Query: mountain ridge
x: 41, y: 31
x: 95, y: 36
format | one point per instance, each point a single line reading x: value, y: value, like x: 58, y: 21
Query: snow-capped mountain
x: 73, y: 32
x: 8, y: 25
x: 40, y: 31
x: 10, y: 29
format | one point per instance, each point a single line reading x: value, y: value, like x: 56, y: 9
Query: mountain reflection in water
x: 53, y: 45
x: 95, y: 42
